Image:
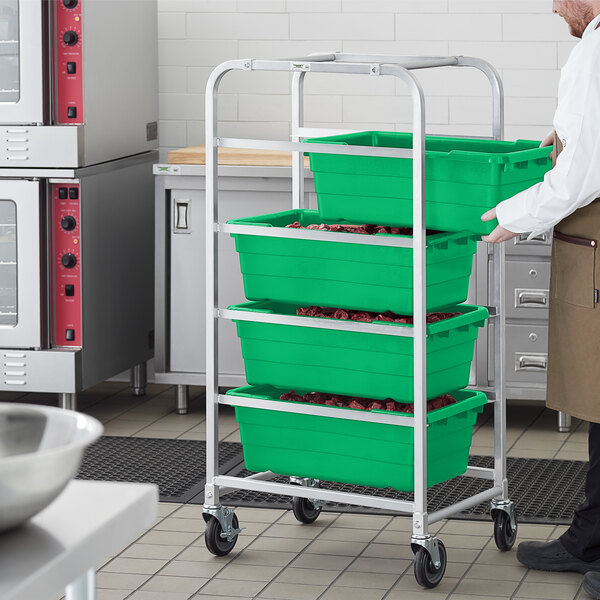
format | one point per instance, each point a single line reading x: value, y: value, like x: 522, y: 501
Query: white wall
x: 521, y: 38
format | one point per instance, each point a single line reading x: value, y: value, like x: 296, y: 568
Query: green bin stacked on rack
x: 282, y: 274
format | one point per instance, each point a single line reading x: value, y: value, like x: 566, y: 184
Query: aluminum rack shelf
x: 222, y: 525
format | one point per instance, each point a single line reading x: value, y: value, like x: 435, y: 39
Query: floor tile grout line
x: 404, y: 573
x: 361, y: 553
x: 136, y: 541
x: 169, y: 561
x: 246, y: 547
x: 297, y: 554
x: 513, y: 596
x: 525, y: 429
x: 172, y: 411
x: 139, y: 401
x: 104, y: 398
x: 463, y: 576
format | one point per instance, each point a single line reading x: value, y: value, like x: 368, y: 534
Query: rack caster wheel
x: 426, y: 574
x: 504, y: 534
x: 304, y: 510
x: 215, y: 544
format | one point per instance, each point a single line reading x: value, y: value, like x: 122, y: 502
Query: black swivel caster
x: 505, y: 532
x: 426, y: 573
x: 304, y: 510
x: 216, y: 543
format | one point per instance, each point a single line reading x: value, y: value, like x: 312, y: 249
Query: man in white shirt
x: 567, y: 200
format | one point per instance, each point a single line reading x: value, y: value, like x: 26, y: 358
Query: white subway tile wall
x: 526, y: 43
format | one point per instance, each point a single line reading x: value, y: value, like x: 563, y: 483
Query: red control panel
x: 67, y: 265
x: 67, y: 69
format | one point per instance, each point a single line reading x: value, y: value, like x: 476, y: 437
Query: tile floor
x: 340, y: 556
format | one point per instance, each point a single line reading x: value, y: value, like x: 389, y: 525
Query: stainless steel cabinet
x: 527, y: 281
x: 180, y: 267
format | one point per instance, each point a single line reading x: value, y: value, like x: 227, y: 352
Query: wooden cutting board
x: 195, y: 155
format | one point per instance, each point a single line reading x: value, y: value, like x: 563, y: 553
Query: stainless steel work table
x: 61, y: 546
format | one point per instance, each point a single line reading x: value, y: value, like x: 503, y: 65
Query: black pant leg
x: 582, y: 539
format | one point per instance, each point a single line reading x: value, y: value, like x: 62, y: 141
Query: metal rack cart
x: 222, y: 525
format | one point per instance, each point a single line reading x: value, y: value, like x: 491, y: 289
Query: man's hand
x: 548, y: 140
x: 500, y: 234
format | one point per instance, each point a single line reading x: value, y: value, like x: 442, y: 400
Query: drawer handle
x: 531, y: 298
x: 542, y: 238
x: 532, y: 362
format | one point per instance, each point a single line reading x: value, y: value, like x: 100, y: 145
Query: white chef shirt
x: 575, y: 180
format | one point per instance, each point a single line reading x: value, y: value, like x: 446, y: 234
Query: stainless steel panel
x: 519, y: 391
x: 527, y: 284
x: 526, y: 354
x: 26, y: 331
x: 540, y: 245
x: 120, y: 78
x: 117, y: 248
x: 46, y: 371
x: 21, y: 62
x: 25, y: 146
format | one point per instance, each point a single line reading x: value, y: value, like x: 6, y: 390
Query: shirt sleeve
x: 574, y: 182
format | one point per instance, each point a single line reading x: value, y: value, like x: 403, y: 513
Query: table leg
x: 83, y: 588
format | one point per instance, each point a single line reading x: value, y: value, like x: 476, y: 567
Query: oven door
x: 20, y: 258
x: 21, y: 62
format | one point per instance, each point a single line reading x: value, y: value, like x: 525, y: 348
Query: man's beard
x: 578, y: 29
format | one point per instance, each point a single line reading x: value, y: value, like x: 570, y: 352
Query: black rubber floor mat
x: 544, y: 491
x: 178, y: 467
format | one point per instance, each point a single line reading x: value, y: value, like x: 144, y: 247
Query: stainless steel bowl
x: 41, y: 448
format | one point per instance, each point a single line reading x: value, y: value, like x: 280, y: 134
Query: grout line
x: 345, y: 569
x: 170, y: 560
x: 172, y: 411
x: 526, y: 429
x: 463, y: 576
x: 284, y: 566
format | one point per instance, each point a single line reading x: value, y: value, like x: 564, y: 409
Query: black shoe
x: 591, y: 584
x: 552, y: 556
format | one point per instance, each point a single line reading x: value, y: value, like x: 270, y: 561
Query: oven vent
x: 14, y: 369
x: 16, y: 144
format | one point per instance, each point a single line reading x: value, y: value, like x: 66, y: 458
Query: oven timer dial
x: 68, y: 260
x: 68, y: 223
x: 70, y: 38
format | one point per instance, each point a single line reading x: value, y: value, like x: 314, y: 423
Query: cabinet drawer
x: 540, y: 245
x: 527, y: 289
x: 526, y: 353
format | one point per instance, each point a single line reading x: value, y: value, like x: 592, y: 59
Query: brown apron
x: 574, y: 320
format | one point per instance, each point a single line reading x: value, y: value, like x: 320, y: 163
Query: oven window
x: 8, y: 262
x: 9, y: 51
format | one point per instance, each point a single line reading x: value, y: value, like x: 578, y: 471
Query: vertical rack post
x: 420, y: 525
x: 419, y: 313
x: 497, y: 92
x: 499, y: 366
x: 298, y: 200
x: 212, y: 320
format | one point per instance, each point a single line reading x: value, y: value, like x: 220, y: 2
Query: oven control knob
x: 70, y: 38
x: 68, y: 223
x: 70, y: 3
x: 69, y: 260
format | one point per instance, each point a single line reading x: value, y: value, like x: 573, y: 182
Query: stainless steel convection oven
x: 78, y: 137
